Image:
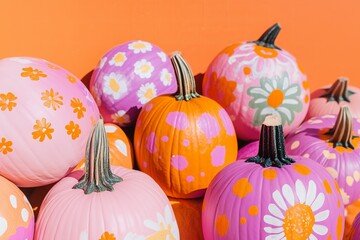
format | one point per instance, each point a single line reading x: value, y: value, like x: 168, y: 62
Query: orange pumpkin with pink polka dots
x: 182, y: 141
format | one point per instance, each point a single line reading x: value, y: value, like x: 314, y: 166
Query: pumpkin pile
x: 140, y: 153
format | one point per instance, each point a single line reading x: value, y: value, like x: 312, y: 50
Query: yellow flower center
x: 275, y: 98
x: 114, y: 86
x: 139, y: 45
x: 149, y: 94
x: 299, y: 221
x: 265, y: 52
x: 144, y: 68
x: 119, y: 58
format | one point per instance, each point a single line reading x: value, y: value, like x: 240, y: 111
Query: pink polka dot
x: 138, y: 123
x: 228, y: 125
x: 177, y: 120
x: 179, y: 162
x: 145, y: 164
x: 151, y: 143
x: 164, y: 138
x: 186, y: 142
x: 148, y: 107
x: 190, y: 178
x: 209, y: 125
x: 202, y: 174
x: 218, y: 156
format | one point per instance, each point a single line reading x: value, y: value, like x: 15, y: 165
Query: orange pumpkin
x: 183, y: 141
x: 120, y: 148
x: 188, y: 217
x: 351, y: 211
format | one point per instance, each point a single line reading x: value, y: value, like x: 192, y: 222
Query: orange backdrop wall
x: 323, y: 35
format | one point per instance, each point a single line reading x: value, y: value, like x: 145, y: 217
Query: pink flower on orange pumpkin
x: 5, y: 146
x: 73, y: 129
x: 7, y: 101
x: 222, y: 89
x: 42, y: 129
x: 33, y: 74
x: 52, y: 99
x: 107, y: 236
x: 79, y: 109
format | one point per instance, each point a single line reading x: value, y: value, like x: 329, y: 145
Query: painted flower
x: 52, y: 66
x: 73, y: 130
x: 162, y: 56
x: 120, y: 118
x: 5, y: 146
x: 71, y: 79
x: 118, y: 59
x: 166, y: 77
x: 7, y: 101
x: 79, y: 109
x: 107, y: 236
x: 134, y: 236
x: 33, y: 74
x: 115, y: 85
x: 102, y: 62
x: 223, y: 89
x: 143, y: 68
x: 140, y: 47
x: 42, y: 129
x: 300, y: 219
x: 146, y: 92
x: 275, y: 96
x: 52, y: 99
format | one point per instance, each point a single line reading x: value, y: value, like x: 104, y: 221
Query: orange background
x: 324, y: 36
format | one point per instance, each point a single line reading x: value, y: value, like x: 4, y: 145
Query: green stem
x: 271, y: 145
x: 338, y: 91
x: 184, y: 77
x: 268, y: 38
x: 98, y: 176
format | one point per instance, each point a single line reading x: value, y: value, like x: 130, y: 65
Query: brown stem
x: 98, y: 176
x: 271, y: 145
x: 338, y: 91
x: 185, y: 78
x: 268, y: 38
x: 342, y: 132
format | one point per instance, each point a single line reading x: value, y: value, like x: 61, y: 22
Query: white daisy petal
x: 311, y: 193
x: 300, y: 191
x: 260, y: 100
x: 320, y: 229
x: 318, y: 202
x: 288, y: 194
x: 267, y: 111
x: 292, y: 90
x: 268, y: 87
x: 290, y: 101
x: 273, y: 221
x: 274, y: 82
x: 285, y: 111
x: 279, y: 200
x: 312, y: 237
x: 273, y: 230
x: 259, y: 91
x: 274, y: 210
x: 275, y: 236
x: 321, y: 216
x: 285, y: 83
x: 152, y: 225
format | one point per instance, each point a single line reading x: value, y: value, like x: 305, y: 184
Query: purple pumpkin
x: 273, y: 196
x: 127, y: 77
x: 330, y: 141
x: 355, y: 229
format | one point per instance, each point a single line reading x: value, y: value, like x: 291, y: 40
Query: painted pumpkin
x: 188, y: 217
x: 183, y: 141
x: 355, y: 229
x: 331, y: 141
x: 49, y: 115
x: 273, y: 196
x: 329, y: 99
x: 351, y: 212
x: 102, y: 205
x: 16, y: 215
x: 127, y: 77
x: 120, y: 147
x: 254, y: 79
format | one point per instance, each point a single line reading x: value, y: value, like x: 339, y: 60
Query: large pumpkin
x: 16, y: 214
x: 254, y: 79
x: 127, y: 77
x: 273, y: 196
x: 182, y: 141
x: 47, y: 114
x: 331, y: 141
x: 103, y: 205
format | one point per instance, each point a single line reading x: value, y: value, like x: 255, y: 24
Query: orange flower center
x: 275, y: 98
x: 139, y: 45
x: 149, y: 94
x: 299, y: 221
x: 119, y: 58
x: 265, y: 52
x: 114, y: 85
x: 144, y: 68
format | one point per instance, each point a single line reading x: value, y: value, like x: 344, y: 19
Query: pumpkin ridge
x: 338, y: 91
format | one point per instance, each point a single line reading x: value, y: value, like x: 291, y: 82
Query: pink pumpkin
x: 105, y: 204
x: 127, y: 77
x: 16, y: 214
x: 273, y: 196
x: 254, y: 79
x: 330, y: 140
x: 47, y: 114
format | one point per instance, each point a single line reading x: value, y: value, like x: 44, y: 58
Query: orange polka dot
x: 339, y: 203
x: 269, y: 174
x: 242, y: 188
x: 253, y: 210
x: 339, y: 227
x: 306, y: 98
x: 305, y: 84
x: 337, y: 186
x: 329, y: 237
x: 247, y: 70
x: 327, y: 187
x: 222, y: 225
x: 301, y: 169
x: 243, y: 220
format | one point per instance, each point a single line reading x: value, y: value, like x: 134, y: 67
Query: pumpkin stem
x: 338, y: 91
x: 342, y: 132
x: 271, y: 145
x: 185, y: 78
x: 98, y: 176
x: 268, y: 38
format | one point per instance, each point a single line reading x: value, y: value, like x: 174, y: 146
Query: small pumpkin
x: 16, y: 214
x: 273, y: 196
x: 182, y: 141
x: 332, y: 141
x: 257, y: 78
x: 102, y: 205
x: 49, y: 115
x: 128, y: 76
x: 329, y: 99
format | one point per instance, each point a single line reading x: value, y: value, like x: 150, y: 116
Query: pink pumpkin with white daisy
x: 127, y: 77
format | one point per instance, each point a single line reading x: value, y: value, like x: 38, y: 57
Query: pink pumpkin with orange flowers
x: 254, y: 79
x: 48, y: 114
